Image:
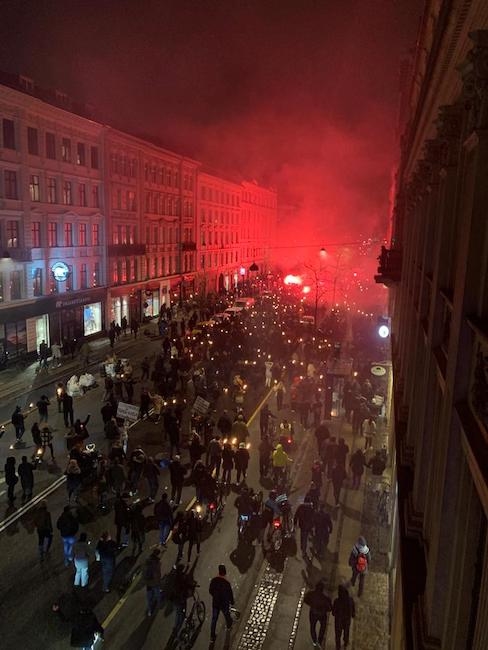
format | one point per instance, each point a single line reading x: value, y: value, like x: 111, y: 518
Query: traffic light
x: 383, y: 327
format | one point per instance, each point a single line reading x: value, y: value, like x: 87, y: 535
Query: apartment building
x: 437, y: 271
x: 51, y: 222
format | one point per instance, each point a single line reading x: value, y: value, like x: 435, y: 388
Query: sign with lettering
x: 128, y: 411
x: 200, y: 405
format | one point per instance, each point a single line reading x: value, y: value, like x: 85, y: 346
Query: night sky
x: 302, y: 94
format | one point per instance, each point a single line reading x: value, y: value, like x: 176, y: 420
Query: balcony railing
x: 116, y: 250
x: 390, y: 268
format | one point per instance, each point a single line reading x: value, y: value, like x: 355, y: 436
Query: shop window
x: 92, y: 318
x: 15, y: 285
x: 12, y: 234
x: 37, y: 282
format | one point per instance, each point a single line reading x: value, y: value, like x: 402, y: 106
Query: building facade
x: 96, y: 224
x: 52, y: 274
x: 437, y: 270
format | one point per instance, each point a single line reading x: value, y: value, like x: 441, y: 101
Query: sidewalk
x: 288, y: 625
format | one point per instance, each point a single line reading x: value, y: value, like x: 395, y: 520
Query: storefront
x: 23, y: 327
x: 79, y: 315
x: 152, y: 303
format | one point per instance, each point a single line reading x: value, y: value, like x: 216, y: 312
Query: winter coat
x: 163, y: 512
x: 242, y: 459
x: 152, y: 571
x: 26, y: 473
x: 122, y: 513
x: 228, y: 458
x: 304, y: 516
x: 177, y: 472
x: 280, y: 457
x: 343, y: 607
x: 320, y: 604
x: 240, y: 430
x: 357, y: 463
x: 221, y: 592
x: 84, y: 627
x: 67, y: 525
x: 359, y: 548
x: 42, y: 520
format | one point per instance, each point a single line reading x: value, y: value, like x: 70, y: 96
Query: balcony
x: 116, y: 250
x: 19, y: 254
x: 390, y: 268
x: 188, y: 246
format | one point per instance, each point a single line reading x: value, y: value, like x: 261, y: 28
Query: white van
x: 244, y: 303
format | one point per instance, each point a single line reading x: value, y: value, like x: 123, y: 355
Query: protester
x: 85, y: 628
x: 357, y: 463
x: 73, y: 480
x: 343, y: 610
x: 43, y: 523
x: 320, y: 605
x: 222, y: 598
x: 68, y: 526
x: 18, y: 422
x: 152, y: 578
x: 46, y: 440
x: 42, y: 409
x: 163, y: 514
x: 241, y: 461
x: 304, y: 517
x: 11, y: 478
x: 81, y: 559
x: 26, y: 474
x: 359, y: 560
x: 322, y: 529
x: 107, y: 552
x: 177, y: 477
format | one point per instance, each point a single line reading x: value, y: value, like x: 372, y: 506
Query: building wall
x: 440, y: 337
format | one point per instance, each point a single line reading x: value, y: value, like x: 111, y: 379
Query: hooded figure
x: 359, y: 560
x: 280, y: 457
x: 343, y: 610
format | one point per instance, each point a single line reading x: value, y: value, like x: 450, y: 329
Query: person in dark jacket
x: 11, y: 478
x: 320, y: 605
x: 138, y: 528
x: 222, y: 598
x: 338, y: 476
x: 151, y: 474
x: 107, y: 412
x: 68, y: 526
x: 43, y: 523
x: 228, y: 456
x: 177, y: 477
x: 328, y: 454
x: 343, y: 610
x: 36, y: 435
x: 42, y: 405
x: 144, y: 405
x: 163, y: 514
x: 195, y: 448
x: 85, y: 628
x: 152, y: 577
x: 18, y: 422
x: 241, y: 461
x: 224, y: 424
x: 68, y: 414
x: 304, y: 517
x: 322, y: 529
x: 341, y: 452
x: 122, y: 520
x: 26, y: 475
x: 357, y: 463
x: 183, y: 587
x: 107, y: 552
x: 80, y: 427
x: 193, y: 531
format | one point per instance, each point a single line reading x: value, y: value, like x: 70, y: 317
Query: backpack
x: 361, y: 563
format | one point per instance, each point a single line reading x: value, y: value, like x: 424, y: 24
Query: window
x: 82, y: 194
x: 131, y: 200
x: 10, y: 178
x: 94, y: 157
x: 96, y: 275
x: 83, y: 277
x: 95, y: 197
x: 52, y: 234
x: 66, y: 150
x: 50, y: 146
x: 37, y: 282
x: 32, y: 141
x: 8, y: 134
x: 15, y: 285
x: 36, y: 234
x: 34, y: 188
x: 51, y: 190
x: 80, y: 154
x: 68, y: 234
x: 95, y: 235
x: 12, y: 234
x: 67, y: 198
x: 82, y: 234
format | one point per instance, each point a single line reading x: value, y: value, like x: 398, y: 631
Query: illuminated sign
x: 60, y: 271
x: 292, y: 279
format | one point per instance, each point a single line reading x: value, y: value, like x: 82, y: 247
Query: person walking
x: 280, y: 391
x: 239, y: 429
x: 194, y: 532
x: 106, y: 551
x: 68, y: 526
x: 322, y: 529
x: 43, y: 354
x: 122, y: 520
x: 241, y: 461
x: 341, y: 452
x: 18, y: 422
x: 68, y: 414
x: 222, y: 598
x: 224, y: 424
x: 183, y: 586
x: 47, y: 440
x: 357, y: 463
x: 123, y: 325
x: 73, y: 480
x: 338, y: 476
x: 359, y: 560
x: 86, y: 628
x: 26, y: 475
x: 42, y: 409
x: 304, y: 517
x: 11, y: 478
x: 134, y: 328
x: 56, y: 354
x: 228, y: 456
x: 151, y: 473
x: 163, y: 514
x: 152, y: 579
x: 144, y: 404
x: 81, y: 558
x: 369, y: 431
x: 215, y: 455
x: 320, y: 605
x: 180, y: 533
x: 43, y: 523
x: 177, y: 477
x: 137, y: 528
x: 145, y: 367
x: 343, y: 610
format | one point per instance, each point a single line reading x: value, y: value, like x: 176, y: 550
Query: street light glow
x: 292, y: 279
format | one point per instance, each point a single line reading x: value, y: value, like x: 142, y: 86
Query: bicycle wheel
x: 200, y: 610
x: 184, y: 638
